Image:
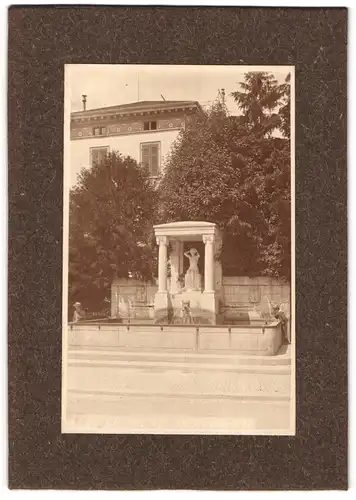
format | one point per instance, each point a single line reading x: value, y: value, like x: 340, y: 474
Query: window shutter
x: 154, y: 160
x: 146, y: 155
x: 150, y: 157
x: 102, y: 154
x: 98, y: 155
x: 94, y: 157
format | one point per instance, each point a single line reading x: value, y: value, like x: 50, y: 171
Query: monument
x: 202, y: 300
x: 184, y: 310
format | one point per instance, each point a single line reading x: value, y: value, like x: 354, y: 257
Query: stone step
x: 180, y: 366
x: 184, y: 363
x: 106, y: 378
x: 184, y: 356
x: 165, y: 397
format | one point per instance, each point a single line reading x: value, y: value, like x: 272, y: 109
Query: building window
x: 99, y: 130
x: 97, y: 155
x: 150, y: 156
x: 150, y: 125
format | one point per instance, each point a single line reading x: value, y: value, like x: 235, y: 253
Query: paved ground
x: 167, y: 393
x: 150, y: 415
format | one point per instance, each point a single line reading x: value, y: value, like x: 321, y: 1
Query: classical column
x: 174, y: 265
x: 209, y: 263
x: 162, y: 241
x: 217, y: 265
x: 181, y: 257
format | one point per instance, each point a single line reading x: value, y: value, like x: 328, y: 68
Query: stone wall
x: 243, y: 293
x: 135, y: 299
x: 132, y: 299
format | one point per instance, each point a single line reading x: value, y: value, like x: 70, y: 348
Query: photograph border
x: 41, y: 41
x: 66, y: 428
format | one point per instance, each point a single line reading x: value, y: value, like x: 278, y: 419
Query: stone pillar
x: 217, y: 266
x: 174, y: 266
x: 162, y: 241
x: 209, y: 264
x: 181, y: 257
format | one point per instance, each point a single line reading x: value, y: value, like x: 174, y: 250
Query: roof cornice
x: 117, y: 112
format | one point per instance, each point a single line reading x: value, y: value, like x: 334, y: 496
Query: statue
x: 79, y: 312
x: 186, y: 313
x: 279, y: 311
x: 192, y: 279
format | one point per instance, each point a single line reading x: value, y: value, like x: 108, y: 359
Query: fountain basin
x: 260, y: 340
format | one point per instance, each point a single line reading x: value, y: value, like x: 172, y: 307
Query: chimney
x: 84, y: 102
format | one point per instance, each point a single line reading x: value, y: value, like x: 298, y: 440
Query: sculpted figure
x: 192, y: 279
x: 186, y: 313
x: 79, y: 312
x: 277, y: 311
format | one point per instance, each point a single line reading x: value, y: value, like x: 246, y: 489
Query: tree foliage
x: 284, y: 111
x: 235, y: 171
x: 110, y: 225
x: 259, y: 99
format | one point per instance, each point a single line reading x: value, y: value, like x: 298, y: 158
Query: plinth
x: 203, y: 306
x: 163, y: 309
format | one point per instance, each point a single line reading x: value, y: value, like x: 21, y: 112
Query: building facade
x: 143, y: 130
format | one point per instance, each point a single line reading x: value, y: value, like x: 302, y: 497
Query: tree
x: 205, y: 180
x: 198, y: 174
x: 265, y: 105
x: 284, y: 111
x: 235, y: 171
x: 259, y: 100
x: 276, y: 255
x: 110, y: 226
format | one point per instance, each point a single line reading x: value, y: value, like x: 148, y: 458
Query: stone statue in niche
x: 192, y: 279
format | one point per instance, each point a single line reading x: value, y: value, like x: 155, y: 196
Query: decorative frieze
x: 82, y: 130
x: 170, y: 123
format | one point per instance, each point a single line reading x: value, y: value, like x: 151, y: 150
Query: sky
x: 110, y: 85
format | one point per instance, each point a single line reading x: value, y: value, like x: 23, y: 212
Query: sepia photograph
x: 179, y: 250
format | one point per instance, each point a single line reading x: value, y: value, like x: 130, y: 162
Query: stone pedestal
x: 162, y: 309
x: 210, y: 306
x: 203, y: 306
